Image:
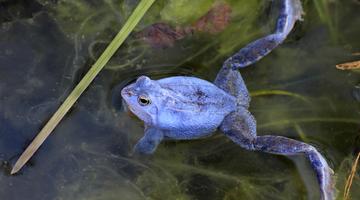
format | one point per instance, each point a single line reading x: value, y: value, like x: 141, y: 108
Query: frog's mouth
x: 128, y: 110
x: 131, y: 104
x: 126, y: 94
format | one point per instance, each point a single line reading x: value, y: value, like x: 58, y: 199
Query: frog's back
x: 193, y: 106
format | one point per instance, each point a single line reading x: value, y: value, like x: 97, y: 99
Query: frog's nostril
x: 126, y: 92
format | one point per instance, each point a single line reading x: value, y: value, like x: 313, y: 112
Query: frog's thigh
x: 240, y: 127
x: 231, y: 82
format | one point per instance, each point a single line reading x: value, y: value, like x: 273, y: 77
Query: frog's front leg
x: 240, y: 127
x: 290, y: 12
x: 151, y: 139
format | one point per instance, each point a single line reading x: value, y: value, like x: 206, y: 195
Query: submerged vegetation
x: 296, y: 92
x: 83, y: 84
x: 350, y: 179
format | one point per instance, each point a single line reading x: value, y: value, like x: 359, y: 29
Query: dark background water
x: 46, y: 46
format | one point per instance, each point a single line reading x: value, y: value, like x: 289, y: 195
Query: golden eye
x: 144, y: 100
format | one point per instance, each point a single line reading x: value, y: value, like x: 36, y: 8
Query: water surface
x: 47, y: 46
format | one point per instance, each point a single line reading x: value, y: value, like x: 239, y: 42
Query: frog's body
x: 189, y: 95
x: 183, y: 108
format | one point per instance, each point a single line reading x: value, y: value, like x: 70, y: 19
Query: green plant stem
x: 301, y: 133
x: 278, y: 92
x: 309, y: 120
x: 130, y: 24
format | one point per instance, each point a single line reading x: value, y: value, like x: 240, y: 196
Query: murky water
x: 47, y: 46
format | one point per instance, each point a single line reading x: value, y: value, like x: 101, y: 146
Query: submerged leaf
x: 215, y: 21
x: 160, y: 35
x: 163, y: 35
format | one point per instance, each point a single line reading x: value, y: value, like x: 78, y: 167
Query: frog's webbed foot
x: 286, y: 146
x: 148, y: 143
x: 240, y: 127
x: 290, y: 12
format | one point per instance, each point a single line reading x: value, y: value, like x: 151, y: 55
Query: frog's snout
x: 127, y: 92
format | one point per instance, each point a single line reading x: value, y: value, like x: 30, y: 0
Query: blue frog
x: 185, y: 108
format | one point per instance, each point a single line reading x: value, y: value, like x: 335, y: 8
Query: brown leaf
x: 160, y: 35
x: 349, y: 65
x: 215, y: 21
x: 163, y: 35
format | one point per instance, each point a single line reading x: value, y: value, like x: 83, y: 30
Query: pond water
x: 46, y: 46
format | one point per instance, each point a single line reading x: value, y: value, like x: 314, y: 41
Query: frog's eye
x: 144, y: 100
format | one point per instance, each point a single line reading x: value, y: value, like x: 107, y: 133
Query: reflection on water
x: 47, y: 46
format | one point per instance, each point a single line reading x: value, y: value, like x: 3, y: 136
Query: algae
x: 88, y: 156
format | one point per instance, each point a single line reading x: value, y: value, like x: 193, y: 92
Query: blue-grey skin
x: 185, y: 108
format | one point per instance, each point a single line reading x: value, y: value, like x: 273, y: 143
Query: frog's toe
x: 328, y: 190
x: 143, y: 147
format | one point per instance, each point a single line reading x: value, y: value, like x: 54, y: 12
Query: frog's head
x: 141, y: 98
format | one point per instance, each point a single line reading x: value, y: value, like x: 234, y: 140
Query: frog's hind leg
x: 240, y: 127
x: 229, y: 79
x: 231, y: 82
x: 290, y: 12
